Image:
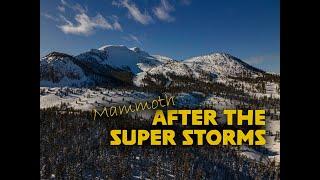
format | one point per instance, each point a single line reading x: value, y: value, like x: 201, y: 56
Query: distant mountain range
x: 114, y: 65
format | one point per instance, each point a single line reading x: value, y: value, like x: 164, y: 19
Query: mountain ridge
x: 104, y: 65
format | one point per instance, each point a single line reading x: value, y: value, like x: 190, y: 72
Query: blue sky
x: 247, y: 29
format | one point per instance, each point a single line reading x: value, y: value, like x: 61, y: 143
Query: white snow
x: 120, y: 56
x: 63, y: 70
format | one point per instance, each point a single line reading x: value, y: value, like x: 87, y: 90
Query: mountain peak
x: 58, y: 54
x: 120, y: 47
x: 135, y: 49
x: 220, y: 54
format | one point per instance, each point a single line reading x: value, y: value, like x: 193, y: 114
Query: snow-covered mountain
x: 133, y: 59
x: 208, y: 67
x: 222, y: 64
x: 110, y: 64
x: 58, y: 69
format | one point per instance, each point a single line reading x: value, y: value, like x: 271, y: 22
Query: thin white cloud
x: 85, y: 25
x: 134, y: 12
x: 267, y: 62
x: 76, y: 7
x: 116, y: 24
x: 185, y: 2
x: 64, y: 19
x: 135, y: 38
x: 163, y: 11
x: 82, y: 24
x: 132, y: 38
x: 79, y: 8
x: 61, y: 9
x: 256, y: 60
x: 64, y: 2
x: 49, y: 16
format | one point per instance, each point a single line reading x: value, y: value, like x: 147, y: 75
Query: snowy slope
x: 171, y: 67
x: 119, y: 56
x: 222, y: 64
x: 213, y: 66
x: 58, y: 69
x: 163, y: 59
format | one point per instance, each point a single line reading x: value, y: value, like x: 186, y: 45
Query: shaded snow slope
x: 58, y: 69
